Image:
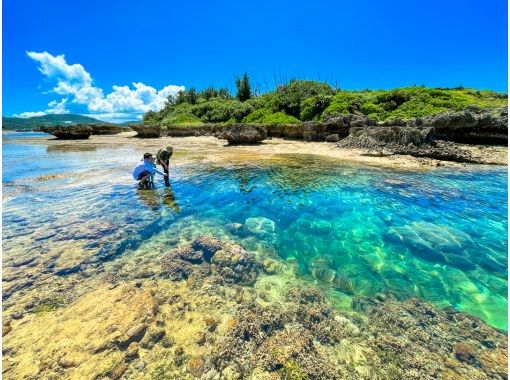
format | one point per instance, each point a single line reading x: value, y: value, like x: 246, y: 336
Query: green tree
x: 223, y: 93
x: 191, y: 96
x: 149, y: 116
x: 243, y: 88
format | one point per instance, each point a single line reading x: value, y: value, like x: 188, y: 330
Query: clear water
x: 440, y: 235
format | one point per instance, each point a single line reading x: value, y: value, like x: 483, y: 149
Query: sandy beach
x: 209, y: 148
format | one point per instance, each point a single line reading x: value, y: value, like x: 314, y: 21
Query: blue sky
x: 117, y: 59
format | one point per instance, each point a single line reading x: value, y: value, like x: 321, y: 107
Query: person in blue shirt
x: 145, y: 169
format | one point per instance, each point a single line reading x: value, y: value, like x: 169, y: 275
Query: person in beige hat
x: 163, y: 158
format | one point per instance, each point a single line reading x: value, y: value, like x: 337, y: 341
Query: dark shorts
x: 143, y: 174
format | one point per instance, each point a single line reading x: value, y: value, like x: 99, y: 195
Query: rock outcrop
x: 106, y: 129
x: 387, y: 137
x: 412, y: 141
x: 470, y: 126
x: 146, y: 131
x: 243, y: 134
x: 319, y: 131
x: 69, y: 132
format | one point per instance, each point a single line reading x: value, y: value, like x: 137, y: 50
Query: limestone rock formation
x: 69, y: 132
x: 105, y: 129
x: 243, y: 134
x: 147, y: 131
x: 387, y: 137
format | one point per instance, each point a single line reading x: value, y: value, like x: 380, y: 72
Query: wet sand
x: 208, y: 148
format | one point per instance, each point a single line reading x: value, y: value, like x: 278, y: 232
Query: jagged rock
x: 69, y: 132
x: 147, y: 131
x: 106, y: 129
x: 472, y: 126
x: 243, y: 134
x: 208, y: 257
x: 441, y: 150
x: 387, y: 137
x: 235, y: 265
x: 333, y: 137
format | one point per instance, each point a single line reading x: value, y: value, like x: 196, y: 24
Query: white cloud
x: 25, y: 115
x: 57, y: 67
x: 140, y: 99
x: 114, y: 117
x: 75, y: 82
x: 56, y: 108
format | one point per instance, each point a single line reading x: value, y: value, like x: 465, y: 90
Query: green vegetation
x: 49, y: 304
x: 28, y: 124
x: 301, y: 100
x: 292, y: 371
x: 243, y: 88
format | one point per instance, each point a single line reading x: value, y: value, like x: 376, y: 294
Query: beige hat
x: 165, y: 153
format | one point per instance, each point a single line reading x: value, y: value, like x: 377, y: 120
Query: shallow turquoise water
x: 440, y: 235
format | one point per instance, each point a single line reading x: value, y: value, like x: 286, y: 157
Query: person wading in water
x: 163, y: 156
x: 144, y: 171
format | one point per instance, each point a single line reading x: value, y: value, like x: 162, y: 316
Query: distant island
x: 31, y: 123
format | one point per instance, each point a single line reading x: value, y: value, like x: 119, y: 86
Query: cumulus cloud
x: 56, y: 108
x: 75, y: 82
x: 140, y: 99
x: 25, y: 115
x: 57, y: 67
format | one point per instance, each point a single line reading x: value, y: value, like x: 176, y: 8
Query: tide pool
x: 439, y: 235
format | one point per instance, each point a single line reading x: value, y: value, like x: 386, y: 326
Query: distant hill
x: 127, y: 123
x: 27, y: 124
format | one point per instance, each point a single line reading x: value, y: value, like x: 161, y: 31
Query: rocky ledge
x: 71, y: 132
x: 146, y: 131
x: 413, y: 141
x: 470, y: 126
x: 243, y: 134
x: 106, y: 129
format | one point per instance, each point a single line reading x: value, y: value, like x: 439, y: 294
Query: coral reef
x: 206, y: 256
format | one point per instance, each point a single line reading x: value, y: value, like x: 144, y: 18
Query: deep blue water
x: 440, y: 235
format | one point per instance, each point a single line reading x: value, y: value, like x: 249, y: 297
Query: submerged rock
x: 259, y: 225
x: 206, y: 256
x: 286, y: 338
x: 416, y: 335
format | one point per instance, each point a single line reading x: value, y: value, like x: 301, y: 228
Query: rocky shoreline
x: 433, y: 137
x: 82, y: 131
